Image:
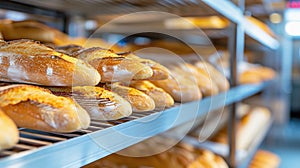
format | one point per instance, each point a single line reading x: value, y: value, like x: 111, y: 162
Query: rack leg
x: 236, y: 49
x: 232, y: 136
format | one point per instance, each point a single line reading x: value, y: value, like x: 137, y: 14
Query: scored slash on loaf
x: 37, y: 108
x: 101, y: 104
x: 139, y: 101
x: 159, y: 71
x: 161, y: 98
x: 112, y: 67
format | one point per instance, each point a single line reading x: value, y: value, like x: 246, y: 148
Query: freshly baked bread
x: 37, y: 108
x: 264, y: 159
x: 15, y: 30
x: 248, y: 127
x: 9, y: 134
x: 256, y: 75
x: 30, y: 62
x: 175, y: 157
x: 160, y: 72
x: 180, y: 86
x: 112, y: 67
x: 89, y: 43
x: 101, y: 104
x: 204, y: 22
x: 68, y: 49
x: 206, y: 85
x: 218, y: 78
x: 161, y: 98
x: 139, y: 101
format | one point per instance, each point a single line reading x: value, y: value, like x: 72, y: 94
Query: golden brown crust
x: 160, y: 72
x: 161, y: 98
x: 112, y: 67
x: 101, y: 104
x: 30, y: 62
x: 9, y: 135
x: 139, y: 101
x: 68, y: 49
x: 256, y: 75
x: 206, y: 85
x: 180, y: 87
x: 121, y: 69
x: 36, y: 108
x: 218, y: 78
x: 247, y: 128
x: 14, y: 30
x: 264, y: 159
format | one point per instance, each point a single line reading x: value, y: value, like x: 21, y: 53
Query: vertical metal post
x: 236, y: 49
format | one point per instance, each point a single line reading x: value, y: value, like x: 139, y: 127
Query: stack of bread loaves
x: 60, y: 88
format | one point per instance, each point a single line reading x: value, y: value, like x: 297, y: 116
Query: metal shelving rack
x: 42, y: 149
x: 37, y: 148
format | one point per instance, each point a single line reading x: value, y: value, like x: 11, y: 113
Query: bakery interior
x: 150, y: 83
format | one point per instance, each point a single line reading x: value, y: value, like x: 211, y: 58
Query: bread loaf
x: 37, y: 108
x: 68, y: 49
x: 205, y: 83
x: 248, y: 127
x: 218, y: 78
x: 14, y: 30
x: 264, y: 159
x: 9, y: 134
x: 30, y: 62
x: 101, y: 104
x: 159, y: 71
x: 256, y: 75
x: 139, y: 101
x: 114, y: 68
x: 180, y: 87
x: 161, y: 98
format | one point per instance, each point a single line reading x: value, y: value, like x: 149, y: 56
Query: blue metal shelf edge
x: 90, y: 147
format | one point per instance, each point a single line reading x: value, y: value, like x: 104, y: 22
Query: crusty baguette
x: 30, y: 62
x: 180, y: 87
x: 206, y: 85
x: 256, y: 75
x: 139, y: 101
x: 219, y: 79
x: 112, y: 67
x: 9, y: 134
x: 161, y: 98
x: 264, y: 159
x: 159, y: 71
x: 14, y: 30
x: 68, y: 49
x: 37, y: 108
x: 101, y: 104
x: 248, y: 127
